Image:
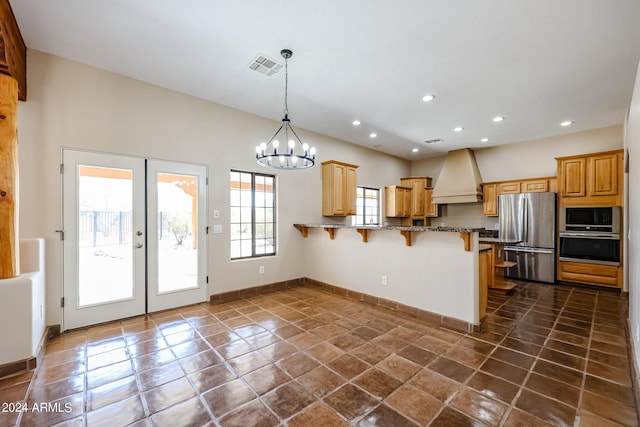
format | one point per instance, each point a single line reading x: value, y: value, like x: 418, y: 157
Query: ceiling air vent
x: 433, y: 141
x: 265, y: 65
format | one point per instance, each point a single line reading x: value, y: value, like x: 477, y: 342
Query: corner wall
x: 632, y: 145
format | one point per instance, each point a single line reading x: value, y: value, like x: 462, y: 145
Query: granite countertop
x: 498, y: 240
x: 396, y: 227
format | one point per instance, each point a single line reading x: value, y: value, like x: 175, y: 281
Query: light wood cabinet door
x: 490, y: 199
x: 397, y: 201
x: 431, y: 209
x: 538, y: 186
x: 407, y: 201
x: 603, y: 176
x: 509, y: 187
x: 418, y: 201
x: 351, y: 190
x: 571, y: 177
x: 339, y: 182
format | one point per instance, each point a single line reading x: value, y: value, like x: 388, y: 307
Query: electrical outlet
x: 261, y: 269
x: 217, y: 229
x: 216, y: 213
x: 385, y: 281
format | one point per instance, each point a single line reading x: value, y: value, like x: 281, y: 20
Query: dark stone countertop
x: 396, y: 227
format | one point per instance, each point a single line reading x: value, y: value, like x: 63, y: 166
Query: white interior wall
x: 632, y: 144
x: 76, y: 106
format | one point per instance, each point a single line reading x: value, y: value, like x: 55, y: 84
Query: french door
x: 134, y: 236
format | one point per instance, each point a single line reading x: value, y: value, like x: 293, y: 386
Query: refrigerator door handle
x: 525, y: 219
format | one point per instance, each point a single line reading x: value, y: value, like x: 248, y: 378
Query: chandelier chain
x: 286, y: 86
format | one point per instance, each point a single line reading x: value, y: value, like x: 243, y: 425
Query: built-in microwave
x: 604, y: 219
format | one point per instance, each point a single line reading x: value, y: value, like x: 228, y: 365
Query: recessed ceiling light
x: 415, y: 150
x: 458, y: 129
x: 373, y: 135
x: 498, y: 119
x: 356, y: 122
x: 484, y: 140
x: 428, y: 98
x: 566, y: 123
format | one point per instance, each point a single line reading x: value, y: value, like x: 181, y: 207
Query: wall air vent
x: 265, y: 65
x: 433, y: 141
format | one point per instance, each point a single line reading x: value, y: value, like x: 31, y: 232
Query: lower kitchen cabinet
x: 590, y: 274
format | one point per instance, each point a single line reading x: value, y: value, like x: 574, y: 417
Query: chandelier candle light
x: 295, y: 154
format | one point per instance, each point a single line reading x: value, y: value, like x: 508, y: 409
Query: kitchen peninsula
x: 433, y: 272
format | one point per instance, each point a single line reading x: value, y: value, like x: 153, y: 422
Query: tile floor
x: 549, y: 355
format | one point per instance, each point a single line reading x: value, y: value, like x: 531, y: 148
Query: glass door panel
x: 176, y: 195
x: 103, y: 247
x: 105, y: 236
x: 177, y: 232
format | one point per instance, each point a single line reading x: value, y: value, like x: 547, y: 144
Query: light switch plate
x: 216, y: 213
x: 217, y: 229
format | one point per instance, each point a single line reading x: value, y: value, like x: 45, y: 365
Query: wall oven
x: 590, y: 234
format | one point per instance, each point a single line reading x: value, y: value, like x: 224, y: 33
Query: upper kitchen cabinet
x: 490, y: 199
x: 491, y: 191
x: 431, y: 209
x: 339, y: 186
x: 397, y: 201
x: 591, y: 180
x: 418, y: 186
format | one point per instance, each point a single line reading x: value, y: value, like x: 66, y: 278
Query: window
x: 368, y: 206
x: 253, y: 214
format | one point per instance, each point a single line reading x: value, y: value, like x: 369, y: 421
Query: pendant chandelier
x: 285, y: 150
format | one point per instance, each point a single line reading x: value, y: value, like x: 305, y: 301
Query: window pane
x: 252, y: 214
x: 368, y: 207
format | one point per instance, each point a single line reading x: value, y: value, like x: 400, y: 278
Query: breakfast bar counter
x: 434, y: 270
x: 405, y: 231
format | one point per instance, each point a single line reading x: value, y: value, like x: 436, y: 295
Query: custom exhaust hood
x: 459, y: 180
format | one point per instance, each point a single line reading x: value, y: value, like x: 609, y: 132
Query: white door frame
x: 146, y: 296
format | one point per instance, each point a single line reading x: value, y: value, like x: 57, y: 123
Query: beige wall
x: 632, y: 144
x: 530, y: 159
x: 76, y: 106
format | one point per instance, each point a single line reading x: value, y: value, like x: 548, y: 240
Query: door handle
x: 138, y: 233
x: 139, y: 245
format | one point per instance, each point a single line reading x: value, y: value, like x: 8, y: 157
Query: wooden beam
x: 9, y: 249
x: 13, y: 51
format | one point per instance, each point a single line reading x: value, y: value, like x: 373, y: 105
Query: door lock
x: 138, y: 245
x: 138, y: 233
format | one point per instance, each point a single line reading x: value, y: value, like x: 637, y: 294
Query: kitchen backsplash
x: 464, y: 215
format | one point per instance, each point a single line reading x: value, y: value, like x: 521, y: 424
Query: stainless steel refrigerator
x: 529, y: 218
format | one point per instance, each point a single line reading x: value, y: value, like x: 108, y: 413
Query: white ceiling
x: 536, y: 62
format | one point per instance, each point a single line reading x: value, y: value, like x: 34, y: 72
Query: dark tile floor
x: 549, y: 355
